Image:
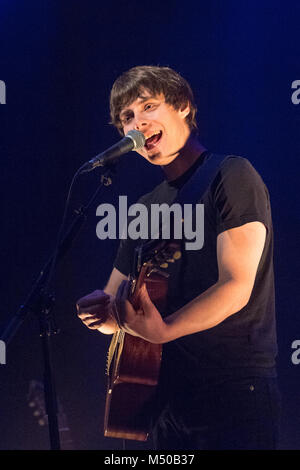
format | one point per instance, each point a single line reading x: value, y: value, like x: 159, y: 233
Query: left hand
x: 146, y: 322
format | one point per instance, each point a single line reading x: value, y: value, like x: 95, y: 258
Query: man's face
x: 164, y: 128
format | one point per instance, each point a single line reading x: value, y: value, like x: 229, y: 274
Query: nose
x: 140, y: 123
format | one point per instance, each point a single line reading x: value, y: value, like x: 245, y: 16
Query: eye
x: 126, y: 119
x: 148, y: 106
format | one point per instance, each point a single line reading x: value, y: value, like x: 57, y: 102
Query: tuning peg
x: 163, y: 265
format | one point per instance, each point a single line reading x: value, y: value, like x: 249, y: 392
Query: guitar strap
x: 191, y: 193
x: 195, y: 188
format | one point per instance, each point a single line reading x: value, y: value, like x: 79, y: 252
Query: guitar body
x: 133, y: 369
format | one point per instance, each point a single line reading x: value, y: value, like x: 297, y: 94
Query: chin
x: 158, y: 159
x: 154, y: 157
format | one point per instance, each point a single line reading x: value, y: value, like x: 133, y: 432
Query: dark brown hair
x: 156, y: 80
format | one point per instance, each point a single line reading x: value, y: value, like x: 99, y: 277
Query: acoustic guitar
x: 133, y: 364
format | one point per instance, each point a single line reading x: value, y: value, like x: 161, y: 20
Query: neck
x: 185, y: 159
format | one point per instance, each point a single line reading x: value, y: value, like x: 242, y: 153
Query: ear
x: 185, y: 110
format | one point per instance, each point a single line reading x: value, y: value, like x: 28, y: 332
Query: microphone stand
x: 41, y: 304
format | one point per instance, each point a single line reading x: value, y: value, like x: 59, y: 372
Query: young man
x: 217, y: 385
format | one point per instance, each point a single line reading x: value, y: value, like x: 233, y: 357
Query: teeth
x: 154, y: 133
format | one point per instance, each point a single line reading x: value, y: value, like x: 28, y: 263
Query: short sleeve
x: 240, y: 195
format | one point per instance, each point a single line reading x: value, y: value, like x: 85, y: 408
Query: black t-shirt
x: 245, y: 342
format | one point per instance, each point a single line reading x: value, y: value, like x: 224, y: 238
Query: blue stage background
x: 58, y: 61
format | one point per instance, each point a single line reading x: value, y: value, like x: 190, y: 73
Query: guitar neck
x: 136, y: 286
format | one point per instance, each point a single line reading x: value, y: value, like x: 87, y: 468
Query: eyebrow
x: 145, y: 98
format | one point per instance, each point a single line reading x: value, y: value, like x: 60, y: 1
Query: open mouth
x: 153, y: 140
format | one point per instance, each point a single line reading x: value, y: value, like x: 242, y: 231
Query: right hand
x: 94, y: 310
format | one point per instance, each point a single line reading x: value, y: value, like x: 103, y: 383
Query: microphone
x: 133, y: 140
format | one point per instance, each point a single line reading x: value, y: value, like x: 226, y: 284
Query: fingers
x: 94, y: 309
x: 144, y: 300
x: 88, y: 321
x: 93, y: 321
x: 95, y: 298
x: 86, y: 312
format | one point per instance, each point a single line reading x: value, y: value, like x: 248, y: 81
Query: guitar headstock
x: 156, y: 254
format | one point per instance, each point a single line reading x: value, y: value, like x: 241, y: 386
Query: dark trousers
x: 239, y: 413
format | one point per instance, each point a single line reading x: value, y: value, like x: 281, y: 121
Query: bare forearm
x: 110, y: 326
x: 207, y: 310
